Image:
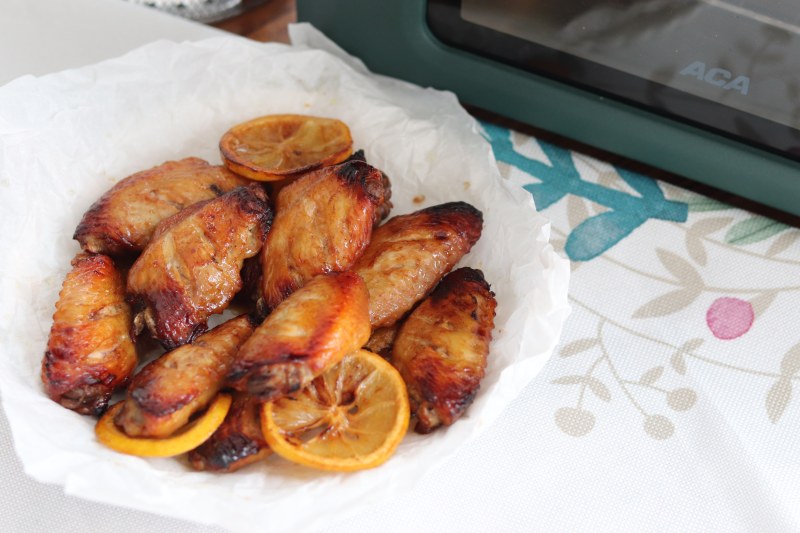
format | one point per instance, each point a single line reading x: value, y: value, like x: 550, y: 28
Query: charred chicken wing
x: 124, y: 218
x: 90, y: 352
x: 410, y: 253
x: 323, y: 223
x: 306, y: 334
x: 166, y: 392
x: 238, y: 442
x: 191, y: 268
x: 441, y: 348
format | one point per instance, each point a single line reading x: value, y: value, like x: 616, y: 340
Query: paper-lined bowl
x: 68, y: 137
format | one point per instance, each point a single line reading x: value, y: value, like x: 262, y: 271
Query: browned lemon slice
x: 187, y: 438
x: 276, y: 146
x: 352, y: 417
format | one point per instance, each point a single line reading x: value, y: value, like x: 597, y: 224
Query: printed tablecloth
x: 679, y: 361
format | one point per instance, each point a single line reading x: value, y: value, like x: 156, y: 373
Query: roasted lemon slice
x: 352, y: 417
x: 187, y: 438
x: 276, y: 146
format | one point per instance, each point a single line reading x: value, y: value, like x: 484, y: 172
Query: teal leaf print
x: 645, y: 186
x: 545, y: 194
x: 558, y: 178
x: 597, y: 234
x: 752, y: 230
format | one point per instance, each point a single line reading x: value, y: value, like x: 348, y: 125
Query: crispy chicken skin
x: 274, y: 187
x: 191, y: 268
x: 166, y: 392
x: 90, y: 352
x: 386, y: 206
x: 305, y: 335
x: 250, y: 292
x: 323, y: 223
x: 410, y: 253
x: 441, y: 349
x: 382, y: 340
x: 122, y: 221
x: 238, y: 442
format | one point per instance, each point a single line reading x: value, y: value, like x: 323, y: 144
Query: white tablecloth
x: 667, y: 407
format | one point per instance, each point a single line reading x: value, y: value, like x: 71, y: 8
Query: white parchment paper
x: 66, y: 138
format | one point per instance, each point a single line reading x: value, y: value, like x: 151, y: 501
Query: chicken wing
x: 382, y: 340
x: 386, y: 206
x: 323, y: 223
x: 169, y: 390
x: 238, y: 442
x: 250, y: 292
x: 441, y: 349
x: 122, y: 221
x: 410, y: 253
x: 191, y: 268
x: 90, y: 352
x: 306, y: 334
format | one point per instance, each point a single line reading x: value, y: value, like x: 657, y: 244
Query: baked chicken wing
x: 323, y: 223
x: 238, y: 442
x: 382, y: 340
x: 191, y: 268
x: 410, y: 253
x: 169, y: 390
x: 305, y: 335
x: 385, y: 208
x: 122, y: 221
x: 441, y: 349
x: 90, y: 352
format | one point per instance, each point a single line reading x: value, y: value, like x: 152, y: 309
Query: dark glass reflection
x: 695, y: 59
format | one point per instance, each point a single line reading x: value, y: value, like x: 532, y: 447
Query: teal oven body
x: 707, y: 89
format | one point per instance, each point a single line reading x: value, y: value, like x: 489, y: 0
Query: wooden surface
x: 265, y: 22
x: 268, y: 22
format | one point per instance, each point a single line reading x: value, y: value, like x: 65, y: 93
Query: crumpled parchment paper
x: 66, y: 138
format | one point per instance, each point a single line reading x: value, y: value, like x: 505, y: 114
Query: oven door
x: 732, y: 66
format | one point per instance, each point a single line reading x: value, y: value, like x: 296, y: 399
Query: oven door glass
x: 732, y: 66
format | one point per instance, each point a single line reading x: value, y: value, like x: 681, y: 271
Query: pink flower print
x: 729, y: 318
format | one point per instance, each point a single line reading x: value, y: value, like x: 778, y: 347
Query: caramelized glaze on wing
x: 306, y: 334
x: 323, y: 223
x: 410, y: 253
x: 238, y: 442
x: 382, y: 340
x: 441, y: 348
x: 191, y: 268
x: 89, y: 352
x: 124, y: 218
x: 386, y: 206
x: 166, y: 392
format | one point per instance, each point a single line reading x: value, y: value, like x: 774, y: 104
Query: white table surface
x: 42, y: 36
